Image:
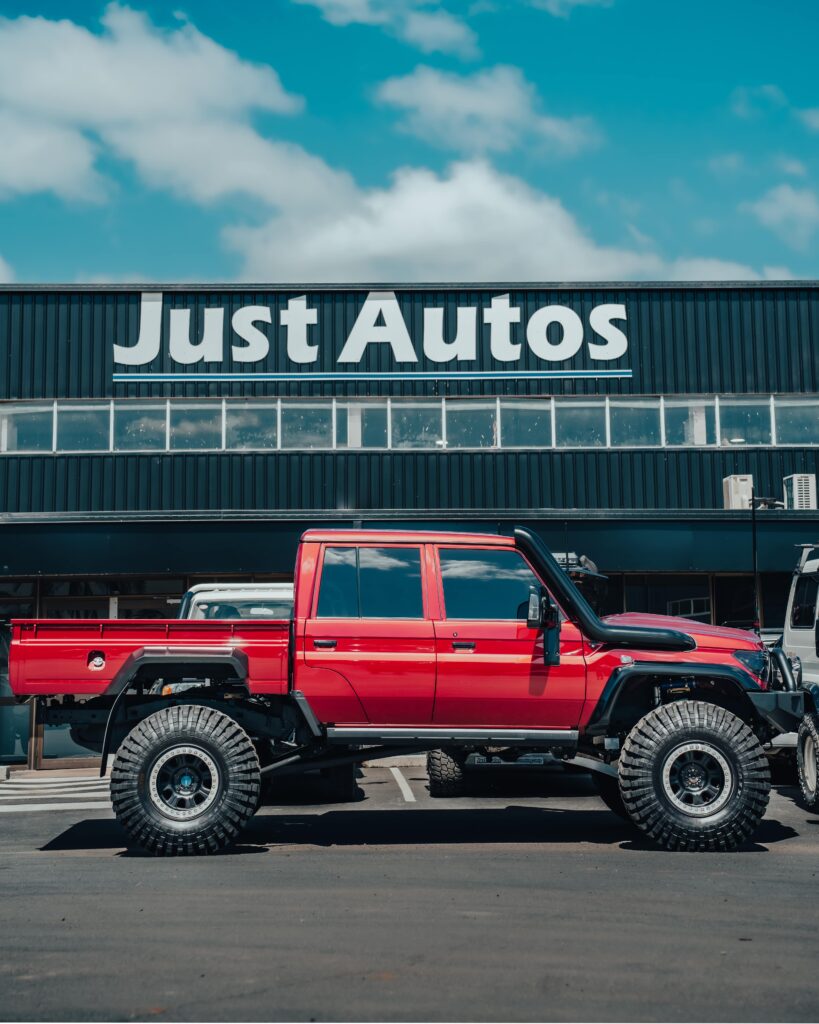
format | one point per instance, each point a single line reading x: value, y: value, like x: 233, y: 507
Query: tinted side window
x: 371, y: 583
x: 485, y: 584
x: 390, y: 583
x: 338, y: 593
x: 803, y: 613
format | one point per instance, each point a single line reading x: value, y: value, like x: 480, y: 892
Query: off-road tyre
x: 807, y: 762
x: 446, y: 774
x: 608, y: 789
x: 150, y: 788
x: 687, y: 744
x: 340, y: 784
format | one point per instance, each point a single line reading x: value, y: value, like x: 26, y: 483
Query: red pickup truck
x: 416, y: 641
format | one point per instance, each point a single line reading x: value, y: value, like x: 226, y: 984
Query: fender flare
x: 780, y: 709
x: 121, y: 684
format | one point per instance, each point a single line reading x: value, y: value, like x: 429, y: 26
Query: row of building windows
x: 238, y: 425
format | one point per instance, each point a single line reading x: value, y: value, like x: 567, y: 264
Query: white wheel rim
x: 809, y: 762
x: 184, y: 782
x: 697, y: 779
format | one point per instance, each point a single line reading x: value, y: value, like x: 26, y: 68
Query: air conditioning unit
x: 737, y: 491
x: 800, y: 490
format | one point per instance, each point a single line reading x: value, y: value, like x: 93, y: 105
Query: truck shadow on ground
x: 450, y: 825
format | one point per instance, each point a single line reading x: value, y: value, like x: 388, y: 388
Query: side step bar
x: 443, y: 736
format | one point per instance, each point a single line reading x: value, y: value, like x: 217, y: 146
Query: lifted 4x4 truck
x: 411, y: 641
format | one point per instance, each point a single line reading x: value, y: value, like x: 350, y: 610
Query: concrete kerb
x: 399, y: 761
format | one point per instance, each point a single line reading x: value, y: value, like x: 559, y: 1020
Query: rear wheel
x: 185, y: 781
x: 446, y: 774
x: 693, y: 776
x: 807, y: 762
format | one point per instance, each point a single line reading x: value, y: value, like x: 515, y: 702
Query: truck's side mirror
x: 543, y: 614
x: 551, y: 632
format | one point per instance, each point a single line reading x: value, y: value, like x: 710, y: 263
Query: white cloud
x: 43, y: 156
x: 749, y: 102
x: 6, y: 273
x: 778, y: 273
x: 439, y: 32
x: 809, y: 118
x: 65, y: 90
x: 491, y: 110
x: 424, y: 24
x: 791, y: 213
x: 706, y: 269
x: 471, y: 223
x: 790, y: 165
x: 563, y: 8
x: 725, y: 164
x: 212, y: 160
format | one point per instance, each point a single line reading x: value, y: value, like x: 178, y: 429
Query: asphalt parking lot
x: 526, y: 901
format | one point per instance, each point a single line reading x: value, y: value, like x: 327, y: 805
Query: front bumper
x: 782, y: 709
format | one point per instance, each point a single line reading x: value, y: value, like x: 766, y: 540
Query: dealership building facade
x: 157, y: 436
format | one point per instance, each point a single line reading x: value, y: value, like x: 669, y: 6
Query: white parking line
x: 403, y: 785
x: 31, y: 808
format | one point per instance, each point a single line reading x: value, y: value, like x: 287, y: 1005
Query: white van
x: 799, y: 639
x: 237, y: 601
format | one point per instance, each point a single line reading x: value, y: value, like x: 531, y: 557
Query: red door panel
x: 388, y: 666
x: 490, y: 664
x: 500, y: 678
x: 369, y: 645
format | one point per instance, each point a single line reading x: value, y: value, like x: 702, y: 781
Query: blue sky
x: 336, y: 140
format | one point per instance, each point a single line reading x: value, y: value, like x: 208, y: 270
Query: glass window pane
x: 26, y: 428
x: 361, y: 425
x: 416, y: 425
x: 471, y: 425
x: 338, y: 590
x: 307, y: 426
x: 83, y: 428
x: 196, y: 426
x: 691, y: 423
x: 803, y: 610
x: 139, y: 426
x: 635, y: 424
x: 797, y: 421
x: 526, y: 424
x: 485, y: 584
x: 580, y: 424
x: 744, y: 422
x: 390, y: 583
x: 250, y: 425
x: 687, y: 597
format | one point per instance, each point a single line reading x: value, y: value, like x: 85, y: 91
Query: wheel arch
x: 149, y: 663
x: 632, y: 691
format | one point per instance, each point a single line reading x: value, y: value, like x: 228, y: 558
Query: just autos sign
x: 372, y: 336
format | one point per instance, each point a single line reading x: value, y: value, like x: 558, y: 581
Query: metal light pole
x: 766, y: 503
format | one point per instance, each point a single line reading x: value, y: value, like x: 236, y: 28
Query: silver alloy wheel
x: 697, y: 779
x: 809, y: 762
x: 183, y: 783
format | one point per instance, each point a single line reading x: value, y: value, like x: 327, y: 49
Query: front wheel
x: 446, y: 774
x: 185, y: 781
x: 693, y: 776
x: 807, y: 762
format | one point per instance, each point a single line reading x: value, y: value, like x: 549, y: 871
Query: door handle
x: 325, y: 643
x: 463, y: 645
